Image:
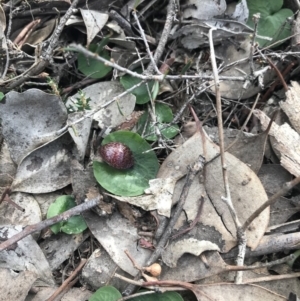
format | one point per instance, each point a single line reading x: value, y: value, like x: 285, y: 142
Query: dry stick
x: 96, y: 109
x: 39, y: 66
x: 240, y: 234
x: 50, y: 221
x: 164, y: 36
x: 153, y: 115
x: 197, y: 166
x: 283, y: 191
x: 286, y: 88
x: 67, y: 281
x: 193, y: 224
x: 256, y: 18
x: 272, y: 278
x: 159, y: 77
x: 145, y: 42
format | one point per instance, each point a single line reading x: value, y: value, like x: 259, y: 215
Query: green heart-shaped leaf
x: 133, y: 181
x: 273, y: 20
x: 141, y: 93
x: 106, y: 293
x: 91, y: 67
x: 74, y: 224
x: 163, y: 115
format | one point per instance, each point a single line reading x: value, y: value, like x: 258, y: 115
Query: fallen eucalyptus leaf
x: 247, y: 192
x: 193, y: 246
x: 46, y: 169
x: 158, y: 196
x: 29, y: 120
x: 94, y: 21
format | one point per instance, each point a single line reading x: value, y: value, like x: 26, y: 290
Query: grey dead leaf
x: 233, y: 292
x: 287, y: 143
x: 248, y: 148
x: 157, y: 197
x: 193, y: 246
x: 273, y: 177
x: 80, y: 133
x: 291, y: 106
x: 100, y: 93
x: 29, y: 120
x: 204, y: 9
x: 116, y: 234
x: 15, y: 286
x: 45, y: 200
x: 99, y: 268
x: 247, y: 192
x: 195, y: 266
x: 32, y: 259
x: 57, y: 249
x: 208, y: 215
x: 281, y: 286
x: 238, y: 11
x: 46, y: 169
x: 237, y: 58
x: 196, y: 35
x: 30, y: 215
x: 94, y: 22
x: 83, y: 181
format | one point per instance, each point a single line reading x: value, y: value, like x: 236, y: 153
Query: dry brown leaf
x: 287, y: 143
x: 247, y: 191
x: 190, y: 245
x: 208, y: 215
x: 157, y: 197
x: 291, y: 106
x: 249, y: 148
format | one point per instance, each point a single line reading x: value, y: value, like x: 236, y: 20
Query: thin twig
x: 283, y: 191
x: 286, y: 88
x: 67, y: 281
x: 159, y: 77
x: 56, y: 35
x: 194, y: 223
x: 240, y: 233
x: 145, y: 42
x: 49, y: 222
x: 197, y: 166
x: 255, y: 19
x: 46, y: 56
x: 96, y: 109
x: 164, y: 36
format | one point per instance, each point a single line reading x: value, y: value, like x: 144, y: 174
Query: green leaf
x: 167, y: 296
x: 1, y: 96
x: 272, y: 21
x: 133, y: 181
x: 91, y: 67
x: 163, y: 115
x: 155, y: 90
x: 74, y: 224
x: 141, y: 92
x: 106, y: 293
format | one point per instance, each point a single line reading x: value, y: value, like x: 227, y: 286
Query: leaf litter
x: 47, y: 151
